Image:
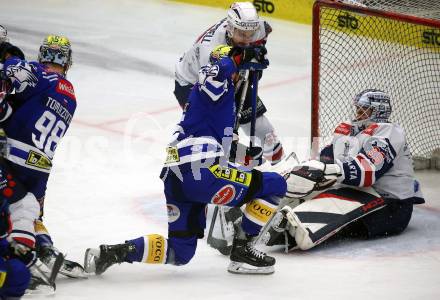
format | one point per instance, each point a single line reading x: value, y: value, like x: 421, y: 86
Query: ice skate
x: 246, y: 259
x: 98, y: 261
x: 48, y: 255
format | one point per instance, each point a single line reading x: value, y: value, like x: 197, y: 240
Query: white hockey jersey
x: 188, y: 66
x: 377, y: 156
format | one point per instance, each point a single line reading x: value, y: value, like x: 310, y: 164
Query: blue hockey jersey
x: 205, y: 130
x: 35, y: 118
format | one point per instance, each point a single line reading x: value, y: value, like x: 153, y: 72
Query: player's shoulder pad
x: 343, y: 128
x: 65, y: 88
x: 386, y: 130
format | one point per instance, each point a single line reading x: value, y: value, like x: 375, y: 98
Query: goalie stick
x: 227, y: 218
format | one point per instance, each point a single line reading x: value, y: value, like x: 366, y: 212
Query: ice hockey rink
x: 105, y: 184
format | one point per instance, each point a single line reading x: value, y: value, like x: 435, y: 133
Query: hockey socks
x: 256, y: 214
x: 150, y: 249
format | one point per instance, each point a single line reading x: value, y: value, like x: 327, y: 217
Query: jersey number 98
x: 50, y: 132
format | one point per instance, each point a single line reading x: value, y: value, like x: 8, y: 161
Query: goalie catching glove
x: 311, y: 176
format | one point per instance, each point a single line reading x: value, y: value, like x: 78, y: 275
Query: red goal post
x: 355, y: 48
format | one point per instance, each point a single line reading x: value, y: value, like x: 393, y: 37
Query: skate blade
x: 40, y: 290
x: 243, y: 268
x: 69, y: 269
x: 73, y: 269
x: 89, y: 260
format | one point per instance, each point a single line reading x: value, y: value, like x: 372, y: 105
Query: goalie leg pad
x: 317, y: 220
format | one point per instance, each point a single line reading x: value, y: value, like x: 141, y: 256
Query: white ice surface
x: 105, y: 186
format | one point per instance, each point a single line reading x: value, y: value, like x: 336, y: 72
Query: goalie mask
x: 57, y: 50
x: 372, y: 106
x: 243, y: 23
x: 3, y: 34
x: 218, y: 53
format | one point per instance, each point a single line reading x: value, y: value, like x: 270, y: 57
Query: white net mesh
x: 429, y: 9
x: 359, y: 50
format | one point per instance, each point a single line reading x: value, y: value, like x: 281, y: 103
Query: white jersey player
x: 376, y: 189
x: 241, y: 28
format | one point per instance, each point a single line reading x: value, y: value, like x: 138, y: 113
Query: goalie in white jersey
x: 376, y: 189
x: 243, y: 28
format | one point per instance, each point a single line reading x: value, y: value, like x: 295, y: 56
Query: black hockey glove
x: 250, y: 57
x: 8, y: 48
x: 254, y: 156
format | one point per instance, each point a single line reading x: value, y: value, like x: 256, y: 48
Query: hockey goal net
x: 389, y: 45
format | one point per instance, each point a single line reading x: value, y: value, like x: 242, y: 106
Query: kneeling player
x: 377, y: 187
x: 196, y: 173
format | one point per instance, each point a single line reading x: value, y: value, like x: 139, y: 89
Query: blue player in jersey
x: 36, y: 109
x: 196, y: 173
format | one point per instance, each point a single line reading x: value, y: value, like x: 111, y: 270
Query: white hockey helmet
x: 57, y: 50
x: 3, y: 34
x: 372, y: 106
x: 243, y: 18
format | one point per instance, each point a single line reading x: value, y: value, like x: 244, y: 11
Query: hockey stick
x: 254, y: 108
x: 244, y: 78
x: 211, y: 240
x: 224, y: 243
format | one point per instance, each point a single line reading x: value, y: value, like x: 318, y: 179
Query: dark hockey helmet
x: 372, y: 106
x: 218, y: 53
x: 57, y: 50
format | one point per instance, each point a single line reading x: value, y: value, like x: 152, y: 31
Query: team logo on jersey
x: 66, y: 88
x: 225, y: 195
x: 173, y: 213
x: 38, y: 160
x: 22, y: 74
x: 378, y: 152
